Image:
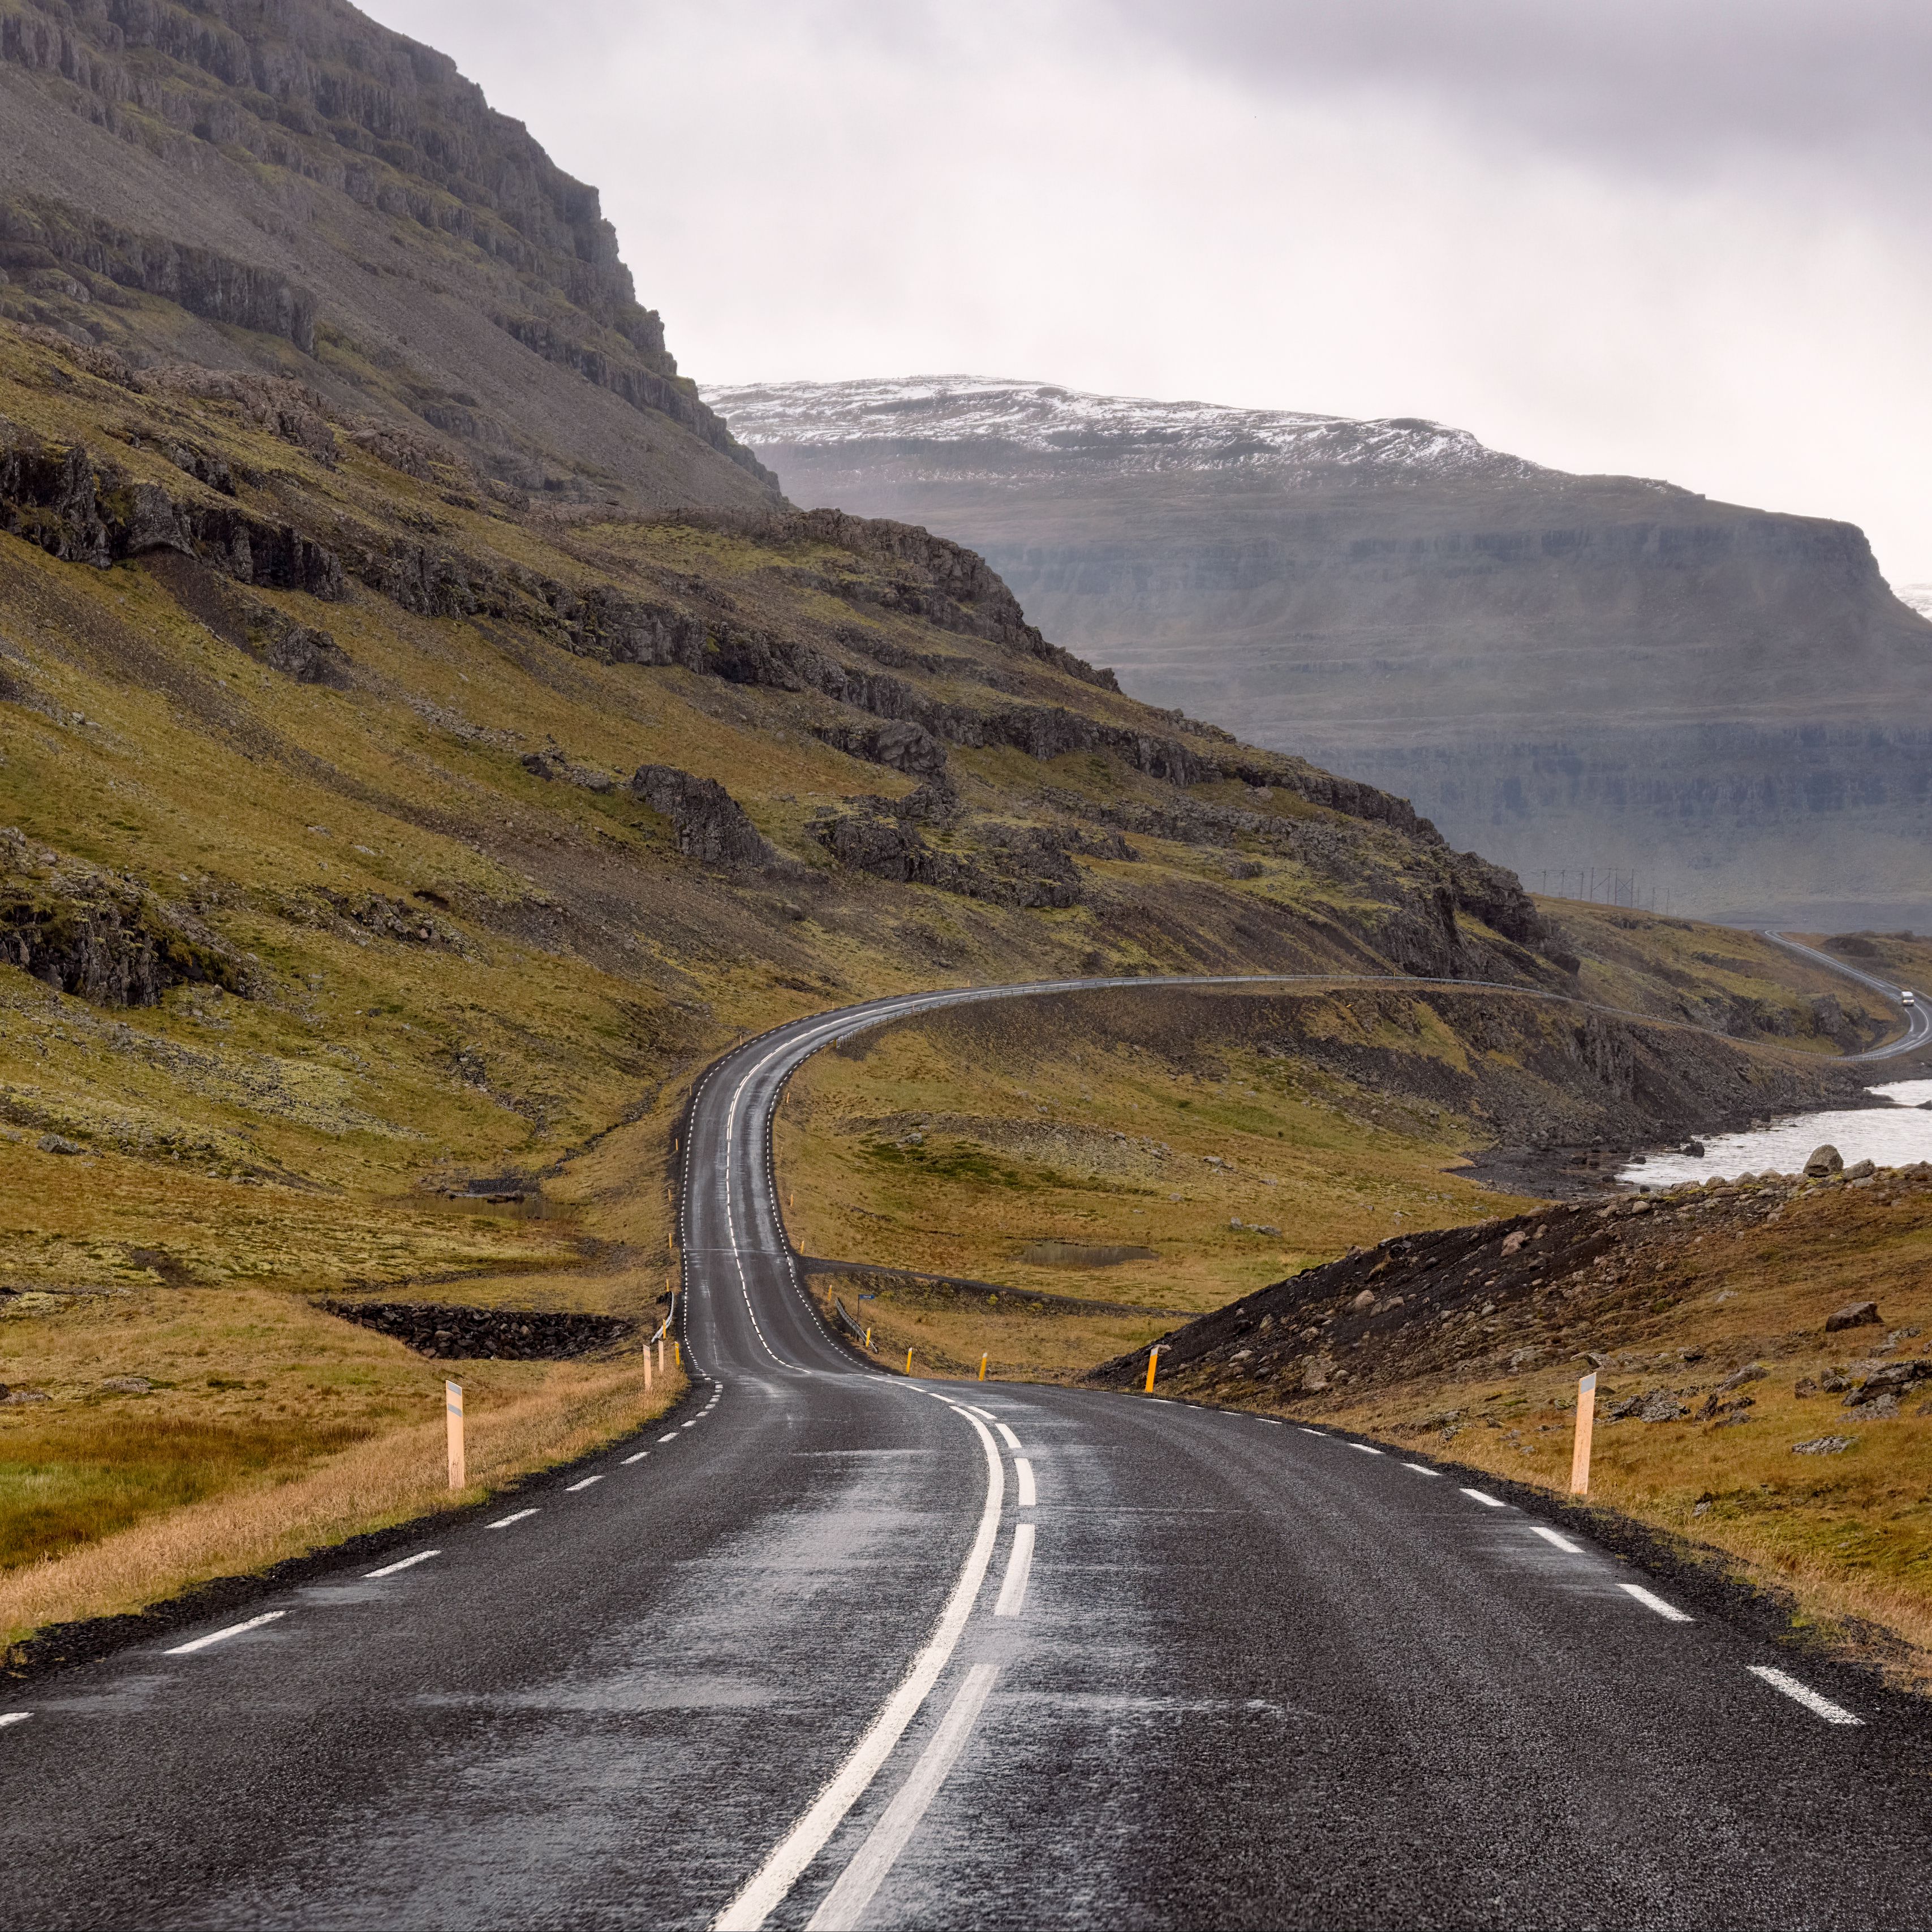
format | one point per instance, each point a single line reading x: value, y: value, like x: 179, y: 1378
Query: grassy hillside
x: 1172, y: 1152
x: 372, y: 845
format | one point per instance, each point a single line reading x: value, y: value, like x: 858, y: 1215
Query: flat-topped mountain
x: 1570, y: 672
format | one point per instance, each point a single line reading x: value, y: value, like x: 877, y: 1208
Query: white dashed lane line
x: 1800, y: 1693
x: 1650, y: 1601
x: 1012, y: 1441
x: 1490, y: 1502
x: 14, y: 1717
x: 504, y: 1521
x: 571, y: 1488
x: 1023, y: 1477
x: 637, y: 1458
x: 693, y: 1422
x: 1557, y: 1537
x: 407, y: 1563
x: 1019, y: 1566
x: 223, y: 1636
x: 671, y: 1437
x: 1422, y: 1468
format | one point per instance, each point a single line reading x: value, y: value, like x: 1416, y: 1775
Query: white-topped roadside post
x: 1586, y: 1417
x: 452, y: 1399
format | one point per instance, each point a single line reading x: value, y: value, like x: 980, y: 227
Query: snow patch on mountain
x: 958, y: 423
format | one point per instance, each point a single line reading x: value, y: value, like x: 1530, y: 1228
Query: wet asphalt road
x: 787, y: 1662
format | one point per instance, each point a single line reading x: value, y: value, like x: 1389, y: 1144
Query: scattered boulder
x: 127, y: 1384
x: 1751, y: 1371
x: 1885, y: 1384
x: 58, y: 1144
x: 1853, y: 1315
x: 1863, y: 1170
x: 1822, y: 1161
x: 21, y: 1395
x: 1824, y: 1445
x: 1653, y: 1406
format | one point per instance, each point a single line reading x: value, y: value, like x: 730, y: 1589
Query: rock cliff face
x: 287, y: 184
x: 1573, y: 673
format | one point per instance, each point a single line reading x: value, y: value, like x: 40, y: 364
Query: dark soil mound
x: 486, y: 1334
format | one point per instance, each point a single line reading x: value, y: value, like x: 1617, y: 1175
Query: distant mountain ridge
x: 1571, y: 672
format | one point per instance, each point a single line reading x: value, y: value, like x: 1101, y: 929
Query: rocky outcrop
x: 1025, y: 866
x: 40, y: 235
x: 711, y: 825
x: 100, y: 936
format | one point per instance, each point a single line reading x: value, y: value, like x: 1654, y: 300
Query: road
x: 839, y: 1648
x: 1918, y: 1022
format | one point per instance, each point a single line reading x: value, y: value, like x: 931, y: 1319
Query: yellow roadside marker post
x: 982, y: 1368
x: 908, y: 1361
x: 869, y: 1338
x: 676, y: 1354
x: 452, y: 1403
x: 1586, y: 1417
x: 1153, y: 1356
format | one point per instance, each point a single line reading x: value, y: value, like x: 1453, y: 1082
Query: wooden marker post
x: 452, y: 1403
x: 1586, y: 1417
x: 1153, y: 1356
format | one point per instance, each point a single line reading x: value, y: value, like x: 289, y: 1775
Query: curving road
x: 834, y: 1648
x: 1918, y: 1022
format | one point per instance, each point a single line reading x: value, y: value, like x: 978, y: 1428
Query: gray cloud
x: 1650, y: 85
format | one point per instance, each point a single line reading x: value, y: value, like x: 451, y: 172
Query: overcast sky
x: 1685, y: 239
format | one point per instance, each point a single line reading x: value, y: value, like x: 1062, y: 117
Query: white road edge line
x: 773, y: 1880
x: 1801, y: 1693
x: 1650, y: 1601
x: 1011, y: 1440
x: 637, y: 1458
x: 14, y: 1717
x: 1023, y: 1477
x: 223, y: 1636
x: 1019, y: 1567
x: 845, y: 1905
x: 1306, y: 1431
x: 571, y: 1488
x: 1367, y: 1448
x: 1556, y: 1536
x: 1492, y: 1502
x: 1422, y: 1468
x: 504, y: 1521
x: 407, y: 1563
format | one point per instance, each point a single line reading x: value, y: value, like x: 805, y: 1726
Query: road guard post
x: 1586, y: 1417
x: 452, y: 1403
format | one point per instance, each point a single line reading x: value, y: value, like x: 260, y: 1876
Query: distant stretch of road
x: 1918, y: 1022
x: 833, y: 1647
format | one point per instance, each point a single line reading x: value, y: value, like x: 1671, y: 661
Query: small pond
x: 1894, y: 1136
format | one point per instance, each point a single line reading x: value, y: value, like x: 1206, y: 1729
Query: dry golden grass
x: 515, y: 1424
x: 948, y: 1330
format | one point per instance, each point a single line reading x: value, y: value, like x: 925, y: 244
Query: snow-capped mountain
x: 1558, y: 669
x: 944, y: 422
